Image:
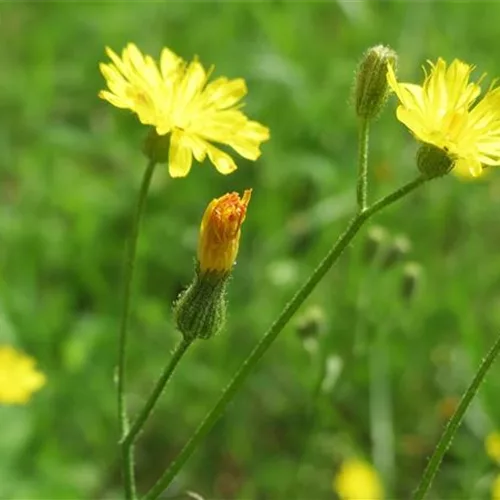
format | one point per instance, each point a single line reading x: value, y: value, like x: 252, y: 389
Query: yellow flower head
x: 492, y: 446
x: 176, y: 98
x: 443, y: 112
x: 358, y: 480
x: 220, y: 232
x: 18, y: 376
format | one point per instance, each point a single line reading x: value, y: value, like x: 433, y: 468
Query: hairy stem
x: 139, y: 422
x: 454, y: 422
x: 362, y: 186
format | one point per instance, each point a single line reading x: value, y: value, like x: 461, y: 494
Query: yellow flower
x: 443, y: 112
x: 358, y: 480
x: 176, y: 98
x: 220, y: 232
x: 492, y: 445
x: 495, y: 489
x: 18, y: 376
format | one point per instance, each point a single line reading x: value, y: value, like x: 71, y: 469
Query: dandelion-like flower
x: 220, y: 232
x: 445, y: 113
x: 175, y: 98
x: 18, y: 376
x: 492, y: 446
x: 358, y: 480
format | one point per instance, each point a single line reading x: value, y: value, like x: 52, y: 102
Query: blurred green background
x: 70, y: 168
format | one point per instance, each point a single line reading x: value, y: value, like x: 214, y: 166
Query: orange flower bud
x: 220, y: 232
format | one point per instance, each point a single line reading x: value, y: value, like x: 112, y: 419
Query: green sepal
x: 156, y: 147
x: 200, y: 310
x: 433, y: 161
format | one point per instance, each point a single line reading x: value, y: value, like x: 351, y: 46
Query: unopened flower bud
x: 412, y: 275
x: 200, y: 310
x: 220, y: 232
x: 397, y: 251
x: 433, y: 161
x: 156, y: 146
x: 371, y: 81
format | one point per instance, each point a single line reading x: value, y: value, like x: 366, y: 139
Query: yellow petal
x: 415, y: 123
x: 133, y: 57
x: 191, y: 85
x: 461, y: 93
x: 113, y: 99
x: 180, y: 155
x: 111, y: 74
x: 169, y: 63
x: 152, y: 74
x: 219, y: 126
x: 223, y: 93
x: 222, y: 161
x: 117, y: 61
x: 255, y: 131
x: 468, y: 167
x: 198, y: 146
x: 247, y: 141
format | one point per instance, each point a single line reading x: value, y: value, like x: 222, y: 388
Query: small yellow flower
x: 18, y: 376
x: 495, y: 489
x: 175, y: 98
x: 492, y: 446
x: 220, y: 232
x: 443, y: 112
x: 358, y: 480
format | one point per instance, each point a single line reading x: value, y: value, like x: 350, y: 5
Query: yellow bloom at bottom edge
x: 492, y: 446
x: 495, y: 489
x: 358, y: 480
x: 18, y: 376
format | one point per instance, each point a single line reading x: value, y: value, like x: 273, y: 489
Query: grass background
x: 70, y: 167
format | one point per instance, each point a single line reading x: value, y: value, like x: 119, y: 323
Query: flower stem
x: 362, y: 186
x: 127, y: 455
x: 139, y: 422
x: 454, y: 422
x: 271, y: 335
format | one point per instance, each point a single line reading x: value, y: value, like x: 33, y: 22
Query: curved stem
x: 454, y: 422
x: 127, y: 456
x: 139, y: 422
x: 271, y: 335
x: 362, y: 186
